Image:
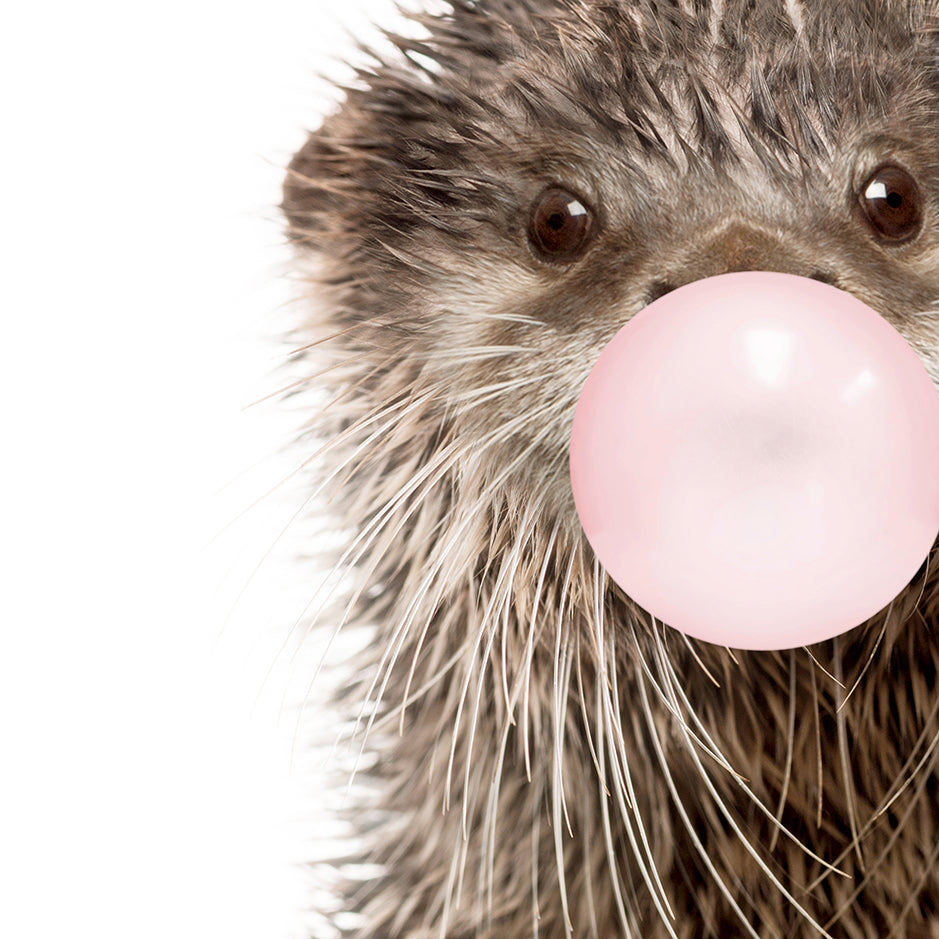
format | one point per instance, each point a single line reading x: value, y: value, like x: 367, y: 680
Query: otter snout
x: 737, y: 248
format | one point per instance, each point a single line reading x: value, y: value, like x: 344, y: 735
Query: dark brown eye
x: 560, y: 226
x: 891, y: 204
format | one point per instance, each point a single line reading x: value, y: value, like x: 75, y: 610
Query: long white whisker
x: 850, y: 789
x: 790, y: 741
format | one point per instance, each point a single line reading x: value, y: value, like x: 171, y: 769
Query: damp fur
x: 540, y: 757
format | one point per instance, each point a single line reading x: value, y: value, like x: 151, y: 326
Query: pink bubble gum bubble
x: 755, y: 460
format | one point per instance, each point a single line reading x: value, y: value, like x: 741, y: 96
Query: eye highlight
x: 891, y: 204
x: 560, y: 225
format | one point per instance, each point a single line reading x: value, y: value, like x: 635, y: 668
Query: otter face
x: 477, y: 222
x: 688, y: 144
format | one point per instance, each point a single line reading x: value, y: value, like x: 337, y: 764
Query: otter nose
x: 742, y: 248
x: 733, y: 250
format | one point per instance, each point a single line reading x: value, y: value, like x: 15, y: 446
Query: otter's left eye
x: 891, y: 204
x: 560, y: 225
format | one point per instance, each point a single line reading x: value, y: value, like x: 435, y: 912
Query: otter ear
x: 336, y: 177
x: 312, y: 188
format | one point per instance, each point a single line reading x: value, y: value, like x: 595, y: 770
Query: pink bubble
x: 755, y: 460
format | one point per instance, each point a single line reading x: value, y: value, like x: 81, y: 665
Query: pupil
x: 556, y: 221
x: 894, y: 200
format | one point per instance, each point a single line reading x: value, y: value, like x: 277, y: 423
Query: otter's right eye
x: 891, y: 204
x: 560, y: 226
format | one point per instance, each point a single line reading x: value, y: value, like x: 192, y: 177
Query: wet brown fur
x: 544, y: 759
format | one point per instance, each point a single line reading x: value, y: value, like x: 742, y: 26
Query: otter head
x: 476, y: 222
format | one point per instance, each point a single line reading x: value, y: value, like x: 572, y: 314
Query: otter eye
x: 560, y: 226
x: 891, y: 204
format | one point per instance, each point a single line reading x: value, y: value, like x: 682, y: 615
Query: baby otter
x: 478, y: 219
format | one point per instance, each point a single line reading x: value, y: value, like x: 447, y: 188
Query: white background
x: 149, y: 786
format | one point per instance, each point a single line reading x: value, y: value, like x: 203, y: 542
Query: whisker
x: 583, y: 710
x: 562, y: 682
x: 391, y: 716
x: 454, y: 885
x: 870, y: 658
x: 358, y: 324
x: 818, y: 748
x: 350, y: 389
x: 670, y: 706
x: 475, y: 354
x: 850, y: 789
x: 500, y: 317
x: 535, y: 849
x: 587, y: 814
x: 478, y: 396
x: 808, y: 652
x: 790, y: 740
x: 697, y: 659
x: 559, y: 854
x: 529, y: 652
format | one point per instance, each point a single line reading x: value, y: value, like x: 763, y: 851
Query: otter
x: 486, y: 208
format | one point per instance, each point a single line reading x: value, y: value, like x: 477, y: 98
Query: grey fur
x: 566, y: 765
